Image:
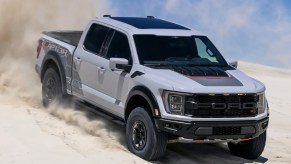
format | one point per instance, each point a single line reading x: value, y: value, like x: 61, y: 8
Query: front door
x: 114, y: 84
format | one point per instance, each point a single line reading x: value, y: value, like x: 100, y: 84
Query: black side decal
x: 63, y: 58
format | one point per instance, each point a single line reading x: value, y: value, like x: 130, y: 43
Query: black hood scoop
x: 202, y: 71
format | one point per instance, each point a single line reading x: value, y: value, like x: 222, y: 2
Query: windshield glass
x: 177, y: 50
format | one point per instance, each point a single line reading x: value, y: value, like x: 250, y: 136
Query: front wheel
x: 142, y: 137
x: 250, y: 149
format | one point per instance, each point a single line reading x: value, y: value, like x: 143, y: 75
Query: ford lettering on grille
x: 226, y: 105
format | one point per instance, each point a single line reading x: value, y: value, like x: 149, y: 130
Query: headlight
x: 174, y: 102
x: 261, y: 102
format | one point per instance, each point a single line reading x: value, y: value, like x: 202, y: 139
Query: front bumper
x: 210, y: 130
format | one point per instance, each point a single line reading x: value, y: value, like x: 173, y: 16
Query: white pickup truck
x: 163, y: 81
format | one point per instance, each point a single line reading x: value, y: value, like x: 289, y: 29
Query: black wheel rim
x: 50, y: 89
x: 139, y: 135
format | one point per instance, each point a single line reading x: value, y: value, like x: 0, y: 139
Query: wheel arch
x: 145, y: 98
x: 52, y: 59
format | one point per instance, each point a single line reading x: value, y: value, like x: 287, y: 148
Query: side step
x: 99, y: 112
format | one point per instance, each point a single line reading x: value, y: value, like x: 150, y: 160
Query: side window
x: 119, y: 47
x: 95, y: 38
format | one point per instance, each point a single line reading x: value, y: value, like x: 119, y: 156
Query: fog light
x: 265, y: 125
x: 248, y: 130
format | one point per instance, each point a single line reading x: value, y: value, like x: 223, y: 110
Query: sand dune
x: 31, y: 134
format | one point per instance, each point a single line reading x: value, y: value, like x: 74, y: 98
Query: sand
x: 30, y: 134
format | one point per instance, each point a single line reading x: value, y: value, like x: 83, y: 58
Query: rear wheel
x: 142, y: 137
x: 51, y: 87
x: 250, y: 149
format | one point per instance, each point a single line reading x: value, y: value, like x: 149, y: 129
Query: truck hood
x: 205, y: 80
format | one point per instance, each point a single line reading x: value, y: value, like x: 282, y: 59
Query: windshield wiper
x: 160, y: 65
x: 203, y: 65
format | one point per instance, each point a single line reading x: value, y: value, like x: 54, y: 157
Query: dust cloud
x: 21, y: 24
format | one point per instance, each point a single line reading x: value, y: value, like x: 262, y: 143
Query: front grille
x: 232, y: 130
x: 219, y: 105
x: 225, y: 113
x: 233, y: 98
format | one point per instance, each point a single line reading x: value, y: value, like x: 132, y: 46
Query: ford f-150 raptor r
x: 163, y: 81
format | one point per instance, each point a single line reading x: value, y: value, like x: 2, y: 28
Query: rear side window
x: 119, y: 47
x: 95, y: 38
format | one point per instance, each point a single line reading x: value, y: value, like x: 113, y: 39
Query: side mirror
x: 233, y: 64
x: 119, y: 64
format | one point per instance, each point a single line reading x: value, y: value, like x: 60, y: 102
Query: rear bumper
x: 213, y: 129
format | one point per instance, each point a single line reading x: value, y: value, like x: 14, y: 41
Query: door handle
x: 77, y: 63
x: 78, y: 59
x: 102, y: 69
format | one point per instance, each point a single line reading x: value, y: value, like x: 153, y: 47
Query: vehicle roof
x: 148, y: 25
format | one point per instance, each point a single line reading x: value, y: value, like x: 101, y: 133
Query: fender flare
x: 148, y: 96
x: 56, y: 59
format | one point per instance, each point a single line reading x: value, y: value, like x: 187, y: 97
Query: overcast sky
x: 250, y: 30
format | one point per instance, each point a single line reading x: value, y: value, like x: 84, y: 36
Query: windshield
x: 177, y: 50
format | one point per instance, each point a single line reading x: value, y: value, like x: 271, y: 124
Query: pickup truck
x: 165, y: 82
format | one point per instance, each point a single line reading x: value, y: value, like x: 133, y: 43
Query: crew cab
x: 164, y: 81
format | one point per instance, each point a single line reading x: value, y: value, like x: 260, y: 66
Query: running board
x: 99, y: 112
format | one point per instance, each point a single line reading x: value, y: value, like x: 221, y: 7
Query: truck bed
x: 70, y: 37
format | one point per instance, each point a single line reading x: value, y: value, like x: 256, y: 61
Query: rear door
x: 87, y: 72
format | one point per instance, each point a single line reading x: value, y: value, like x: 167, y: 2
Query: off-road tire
x: 250, y: 149
x: 51, y: 87
x: 155, y: 144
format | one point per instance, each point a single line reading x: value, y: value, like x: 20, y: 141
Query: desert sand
x: 31, y: 134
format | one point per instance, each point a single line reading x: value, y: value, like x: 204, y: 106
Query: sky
x: 248, y: 30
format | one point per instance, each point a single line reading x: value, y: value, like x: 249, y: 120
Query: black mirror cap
x: 124, y: 67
